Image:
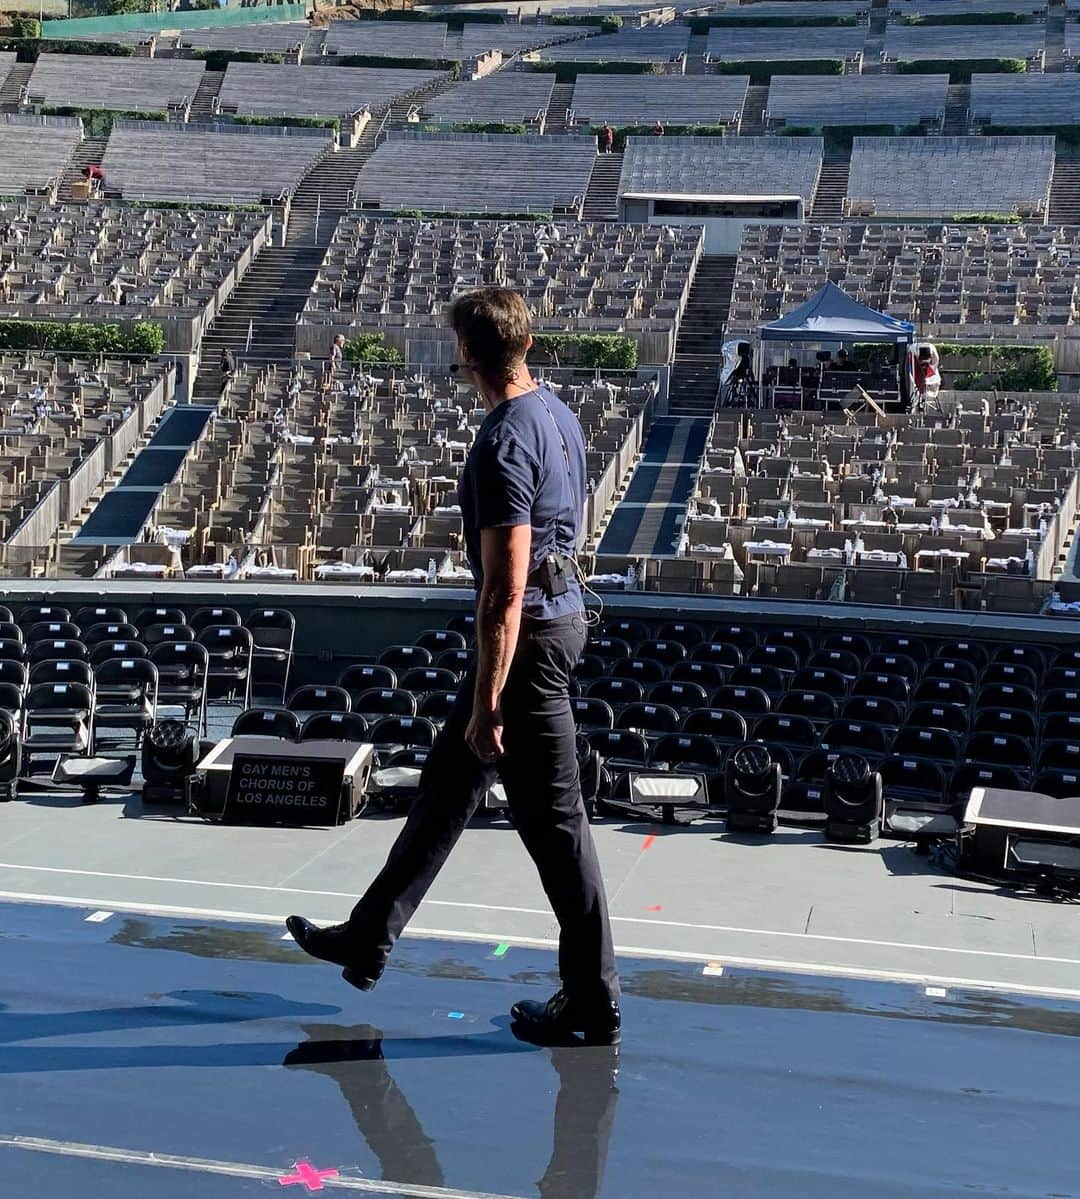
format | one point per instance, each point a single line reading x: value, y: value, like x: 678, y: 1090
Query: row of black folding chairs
x: 425, y: 698
x: 388, y: 734
x: 105, y: 631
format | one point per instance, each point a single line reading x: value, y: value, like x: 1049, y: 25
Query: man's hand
x: 484, y: 734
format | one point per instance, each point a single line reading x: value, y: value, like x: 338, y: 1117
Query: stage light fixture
x: 853, y: 802
x: 10, y: 756
x: 752, y: 784
x: 170, y: 753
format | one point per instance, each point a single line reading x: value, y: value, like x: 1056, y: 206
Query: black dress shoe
x: 331, y: 944
x: 560, y: 1019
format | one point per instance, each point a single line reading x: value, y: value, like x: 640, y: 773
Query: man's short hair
x: 494, y: 324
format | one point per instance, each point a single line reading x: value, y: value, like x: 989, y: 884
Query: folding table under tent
x: 832, y: 317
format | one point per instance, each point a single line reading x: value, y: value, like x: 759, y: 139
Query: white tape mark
x: 936, y: 992
x: 713, y: 970
x: 98, y: 917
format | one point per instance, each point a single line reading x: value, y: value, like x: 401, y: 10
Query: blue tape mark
x: 455, y: 1015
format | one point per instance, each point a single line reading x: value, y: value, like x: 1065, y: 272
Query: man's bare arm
x: 505, y: 556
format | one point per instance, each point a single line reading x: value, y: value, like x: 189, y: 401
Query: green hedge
x: 716, y: 21
x: 390, y: 60
x: 622, y: 132
x: 606, y: 351
x: 840, y: 137
x: 196, y: 205
x: 960, y: 70
x: 965, y: 18
x: 1007, y: 367
x: 81, y: 337
x: 564, y: 72
x: 27, y: 49
x: 293, y: 122
x: 609, y: 23
x: 23, y: 26
x: 762, y: 72
x: 98, y: 122
x: 218, y: 60
x: 985, y: 218
x: 1067, y: 135
x: 370, y: 347
x: 475, y: 127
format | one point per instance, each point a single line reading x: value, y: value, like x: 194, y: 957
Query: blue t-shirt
x: 527, y: 467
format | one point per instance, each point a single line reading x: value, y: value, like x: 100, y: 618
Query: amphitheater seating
x: 391, y: 39
x: 766, y: 44
x: 261, y: 37
x: 397, y: 276
x: 1023, y: 100
x: 1072, y: 43
x: 936, y: 177
x: 477, y: 39
x: 357, y: 482
x: 664, y: 44
x: 119, y: 84
x: 724, y: 166
x: 505, y: 98
x: 794, y: 9
x: 262, y: 89
x: 7, y: 61
x: 899, y: 9
x: 219, y: 163
x: 65, y: 418
x: 880, y: 502
x: 35, y: 151
x: 65, y: 257
x: 929, y: 274
x: 673, y: 99
x: 913, y: 43
x: 479, y: 172
x: 823, y: 101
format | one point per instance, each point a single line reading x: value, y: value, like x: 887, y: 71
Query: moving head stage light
x: 10, y: 756
x: 170, y: 753
x: 752, y: 785
x: 852, y: 798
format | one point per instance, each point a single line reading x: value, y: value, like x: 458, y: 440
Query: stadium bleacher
x: 941, y: 176
x: 672, y: 99
x: 904, y: 9
x: 35, y: 151
x: 213, y: 163
x: 65, y: 423
x: 388, y: 39
x: 828, y: 101
x: 263, y: 38
x: 1025, y: 100
x: 502, y: 98
x: 263, y: 89
x: 930, y: 274
x: 397, y: 276
x: 478, y: 172
x: 766, y: 44
x: 914, y: 43
x: 664, y: 45
x: 78, y: 260
x: 847, y: 10
x: 356, y: 482
x: 722, y: 166
x: 117, y: 84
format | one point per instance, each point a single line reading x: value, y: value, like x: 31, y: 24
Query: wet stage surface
x: 145, y: 1056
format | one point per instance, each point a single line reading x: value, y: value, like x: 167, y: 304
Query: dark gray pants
x: 539, y: 771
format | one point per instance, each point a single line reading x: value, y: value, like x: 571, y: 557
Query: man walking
x: 521, y: 494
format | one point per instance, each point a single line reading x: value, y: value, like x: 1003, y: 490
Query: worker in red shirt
x: 95, y: 176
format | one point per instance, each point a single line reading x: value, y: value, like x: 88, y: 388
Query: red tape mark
x: 306, y: 1173
x: 658, y: 908
x: 647, y: 842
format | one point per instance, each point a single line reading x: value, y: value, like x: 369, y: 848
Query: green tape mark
x: 500, y: 950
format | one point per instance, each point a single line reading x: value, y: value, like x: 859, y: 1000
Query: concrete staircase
x: 1065, y: 193
x: 323, y: 195
x: 875, y: 37
x: 89, y: 152
x: 649, y: 519
x: 695, y: 370
x: 17, y: 79
x: 695, y: 54
x: 753, y: 113
x: 558, y: 109
x: 957, y: 110
x: 267, y: 302
x: 1054, y: 46
x: 202, y: 104
x: 831, y: 190
x: 602, y: 197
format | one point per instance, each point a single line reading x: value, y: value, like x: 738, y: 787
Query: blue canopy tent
x: 831, y: 315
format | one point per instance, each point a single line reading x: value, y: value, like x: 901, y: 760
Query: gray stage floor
x: 697, y: 894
